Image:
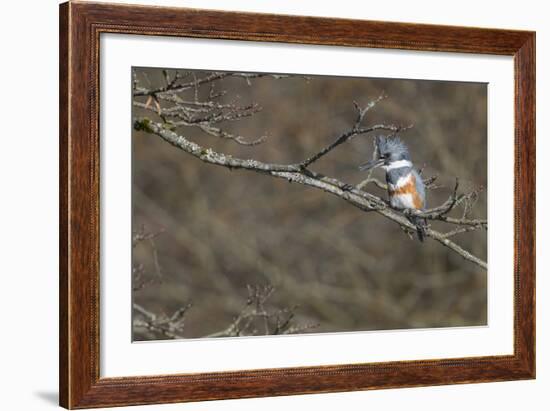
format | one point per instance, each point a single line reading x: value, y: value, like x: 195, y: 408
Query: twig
x: 255, y: 313
x: 355, y: 130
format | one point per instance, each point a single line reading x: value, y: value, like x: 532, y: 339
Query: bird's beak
x: 371, y: 164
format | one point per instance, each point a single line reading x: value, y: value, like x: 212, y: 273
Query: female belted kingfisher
x: 405, y: 186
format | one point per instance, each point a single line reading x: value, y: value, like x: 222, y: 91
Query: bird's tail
x: 421, y: 225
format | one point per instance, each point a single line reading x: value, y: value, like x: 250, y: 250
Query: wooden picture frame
x: 80, y: 27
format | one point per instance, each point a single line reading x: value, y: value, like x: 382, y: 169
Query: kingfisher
x: 406, y: 189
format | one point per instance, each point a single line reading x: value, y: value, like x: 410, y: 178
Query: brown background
x: 345, y: 269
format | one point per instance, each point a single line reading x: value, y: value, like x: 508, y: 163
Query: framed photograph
x: 258, y: 205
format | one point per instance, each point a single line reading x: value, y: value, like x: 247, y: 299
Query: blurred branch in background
x: 139, y: 279
x: 255, y: 318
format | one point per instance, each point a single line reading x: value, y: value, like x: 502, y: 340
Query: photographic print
x: 272, y: 204
x: 244, y: 194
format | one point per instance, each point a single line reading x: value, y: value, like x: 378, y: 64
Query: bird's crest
x: 391, y: 145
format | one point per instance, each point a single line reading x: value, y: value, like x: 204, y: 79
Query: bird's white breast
x: 402, y: 201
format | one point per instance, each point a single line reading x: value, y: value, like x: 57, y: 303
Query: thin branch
x: 213, y: 114
x: 204, y: 80
x: 355, y: 130
x: 371, y: 180
x: 460, y: 230
x: 171, y: 327
x: 349, y: 135
x: 255, y: 314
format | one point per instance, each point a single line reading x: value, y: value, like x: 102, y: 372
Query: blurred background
x: 212, y: 232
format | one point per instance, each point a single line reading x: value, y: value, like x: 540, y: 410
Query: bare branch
x: 255, y: 315
x: 460, y: 230
x: 172, y: 87
x: 371, y: 180
x: 171, y: 327
x: 349, y: 135
x: 356, y: 130
x: 186, y: 113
